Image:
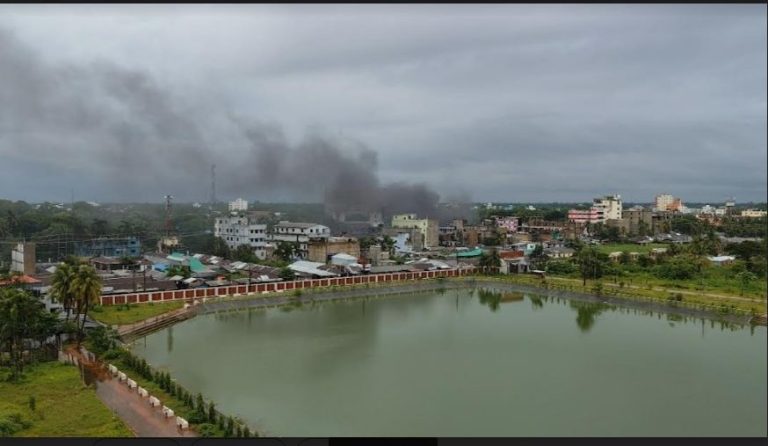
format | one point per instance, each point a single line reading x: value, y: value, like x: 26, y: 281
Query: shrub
x: 113, y: 353
x: 212, y: 412
x: 230, y: 430
x: 206, y: 429
x: 12, y: 423
x: 197, y: 418
x: 32, y: 403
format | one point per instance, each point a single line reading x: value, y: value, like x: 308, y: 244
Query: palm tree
x: 86, y: 287
x: 61, y: 287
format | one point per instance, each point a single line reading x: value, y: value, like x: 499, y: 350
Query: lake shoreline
x: 331, y: 294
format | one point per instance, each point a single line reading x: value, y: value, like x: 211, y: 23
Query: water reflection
x: 170, y: 339
x: 536, y: 302
x: 489, y: 298
x: 586, y: 313
x: 493, y: 299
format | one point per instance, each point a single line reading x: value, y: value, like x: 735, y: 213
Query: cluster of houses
x: 409, y: 243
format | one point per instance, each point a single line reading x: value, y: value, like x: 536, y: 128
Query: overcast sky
x: 493, y: 102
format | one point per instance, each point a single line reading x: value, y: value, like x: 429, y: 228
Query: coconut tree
x: 86, y: 287
x: 61, y: 287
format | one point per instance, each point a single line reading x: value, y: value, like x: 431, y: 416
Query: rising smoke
x: 125, y: 134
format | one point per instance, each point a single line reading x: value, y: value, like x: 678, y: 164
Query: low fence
x: 234, y: 290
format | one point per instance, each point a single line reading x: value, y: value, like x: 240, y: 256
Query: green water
x: 463, y: 363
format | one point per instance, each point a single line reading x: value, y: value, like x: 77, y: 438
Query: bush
x: 206, y: 429
x: 198, y: 418
x: 560, y: 267
x: 113, y: 353
x: 12, y: 423
x: 102, y: 339
x: 212, y: 412
x: 675, y: 269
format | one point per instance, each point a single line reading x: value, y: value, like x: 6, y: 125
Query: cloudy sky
x: 493, y: 102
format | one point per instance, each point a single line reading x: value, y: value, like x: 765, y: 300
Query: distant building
x: 238, y: 231
x: 666, y: 202
x: 753, y: 213
x: 23, y: 258
x: 584, y: 216
x: 300, y: 233
x: 509, y: 224
x: 320, y: 250
x: 603, y: 209
x: 559, y: 252
x: 635, y: 221
x: 406, y: 239
x: 608, y: 207
x: 238, y: 205
x: 109, y: 247
x: 427, y: 227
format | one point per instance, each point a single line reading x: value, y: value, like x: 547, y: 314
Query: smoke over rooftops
x: 125, y: 135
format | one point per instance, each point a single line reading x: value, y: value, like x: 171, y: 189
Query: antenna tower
x: 168, y: 227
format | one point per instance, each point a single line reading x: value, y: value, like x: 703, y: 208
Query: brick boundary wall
x: 259, y: 288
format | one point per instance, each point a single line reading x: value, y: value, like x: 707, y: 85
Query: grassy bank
x: 629, y: 247
x: 63, y: 406
x: 183, y: 407
x: 674, y: 296
x: 132, y: 313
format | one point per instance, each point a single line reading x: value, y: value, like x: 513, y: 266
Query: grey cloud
x: 500, y: 102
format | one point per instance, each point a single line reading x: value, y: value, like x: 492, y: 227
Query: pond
x: 471, y: 362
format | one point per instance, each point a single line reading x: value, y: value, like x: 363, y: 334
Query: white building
x: 608, y: 207
x: 666, y: 202
x: 238, y: 205
x: 753, y: 213
x: 237, y: 231
x: 300, y: 233
x: 429, y: 228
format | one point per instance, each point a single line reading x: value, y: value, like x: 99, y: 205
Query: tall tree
x: 86, y: 288
x: 591, y: 263
x: 285, y: 251
x: 22, y: 316
x: 61, y: 287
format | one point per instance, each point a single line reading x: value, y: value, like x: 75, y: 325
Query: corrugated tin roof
x: 313, y: 268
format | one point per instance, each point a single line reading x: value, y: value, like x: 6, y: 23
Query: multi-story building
x: 238, y: 205
x: 584, y: 216
x: 753, y: 213
x: 509, y: 224
x: 668, y: 203
x: 635, y: 221
x: 300, y: 233
x: 23, y: 258
x: 109, y: 247
x: 320, y: 250
x: 608, y: 207
x: 237, y: 230
x: 603, y: 209
x: 427, y: 227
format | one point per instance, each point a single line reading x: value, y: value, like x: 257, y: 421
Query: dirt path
x: 135, y: 411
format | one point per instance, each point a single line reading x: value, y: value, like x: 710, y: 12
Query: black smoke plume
x: 127, y: 137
